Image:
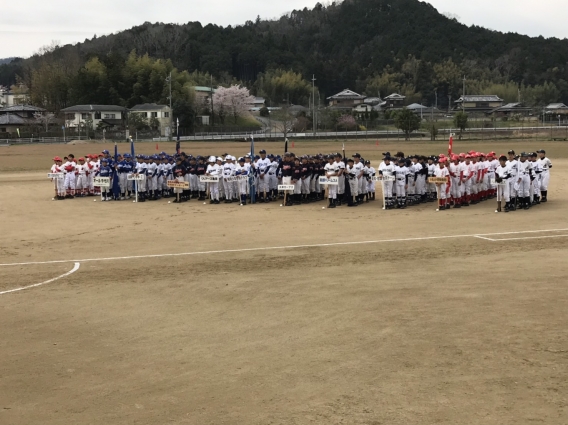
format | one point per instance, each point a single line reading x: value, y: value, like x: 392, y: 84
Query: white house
x: 11, y: 98
x: 152, y: 111
x: 99, y: 115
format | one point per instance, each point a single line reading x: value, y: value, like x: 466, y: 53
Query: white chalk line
x: 272, y: 248
x: 485, y: 239
x: 75, y: 268
x: 528, y: 238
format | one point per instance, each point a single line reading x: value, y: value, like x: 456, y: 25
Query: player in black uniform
x: 178, y: 171
x: 200, y: 170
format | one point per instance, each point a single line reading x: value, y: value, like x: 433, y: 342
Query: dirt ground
x: 280, y: 315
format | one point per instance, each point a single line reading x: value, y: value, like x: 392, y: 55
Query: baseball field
x: 197, y: 314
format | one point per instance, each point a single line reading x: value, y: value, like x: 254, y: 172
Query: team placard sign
x: 136, y: 177
x: 383, y: 178
x: 231, y: 179
x: 329, y: 181
x: 101, y: 181
x: 242, y: 178
x: 495, y: 183
x: 286, y: 187
x: 209, y: 179
x: 437, y: 180
x: 174, y: 184
x: 54, y: 175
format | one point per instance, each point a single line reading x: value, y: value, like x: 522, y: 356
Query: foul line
x: 75, y: 268
x: 272, y: 248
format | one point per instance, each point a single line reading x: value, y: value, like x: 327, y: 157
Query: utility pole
x: 314, y: 103
x: 436, y: 94
x: 463, y: 99
x: 212, y: 113
x: 169, y: 81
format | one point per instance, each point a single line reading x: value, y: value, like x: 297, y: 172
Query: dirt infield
x: 203, y: 314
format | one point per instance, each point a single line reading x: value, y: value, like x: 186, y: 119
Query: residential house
x: 18, y: 116
x: 203, y: 95
x: 478, y: 103
x: 257, y: 104
x: 394, y: 101
x: 17, y: 96
x: 158, y: 114
x: 425, y: 112
x: 556, y: 111
x: 510, y: 109
x: 347, y: 99
x: 105, y: 116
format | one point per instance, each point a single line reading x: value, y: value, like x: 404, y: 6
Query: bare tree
x: 283, y: 120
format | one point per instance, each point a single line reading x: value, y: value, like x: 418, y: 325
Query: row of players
x: 471, y: 178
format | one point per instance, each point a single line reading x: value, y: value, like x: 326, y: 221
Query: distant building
x: 478, y: 103
x: 424, y: 111
x: 394, y: 101
x: 555, y: 110
x: 150, y: 111
x: 17, y: 96
x: 107, y: 116
x: 18, y: 116
x: 257, y: 104
x: 203, y: 95
x: 347, y: 99
x: 510, y: 109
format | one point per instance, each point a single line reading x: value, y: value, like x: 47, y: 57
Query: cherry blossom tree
x: 232, y: 101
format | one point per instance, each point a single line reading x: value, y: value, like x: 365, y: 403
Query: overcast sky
x: 29, y: 24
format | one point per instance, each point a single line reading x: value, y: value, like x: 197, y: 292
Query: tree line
x: 375, y: 47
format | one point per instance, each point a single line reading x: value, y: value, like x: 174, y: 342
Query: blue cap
x: 105, y: 152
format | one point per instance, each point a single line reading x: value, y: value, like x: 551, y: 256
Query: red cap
x: 468, y: 157
x: 100, y: 155
x: 57, y: 159
x: 442, y: 160
x: 462, y: 155
x: 82, y: 159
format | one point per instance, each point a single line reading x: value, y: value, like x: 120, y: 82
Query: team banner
x: 208, y: 179
x: 101, y: 181
x: 383, y: 178
x: 437, y: 180
x: 136, y: 177
x: 286, y: 187
x: 54, y: 175
x: 231, y: 179
x: 331, y: 181
x: 174, y: 184
x: 242, y: 178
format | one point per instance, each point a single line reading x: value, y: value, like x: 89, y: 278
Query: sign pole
x: 384, y: 199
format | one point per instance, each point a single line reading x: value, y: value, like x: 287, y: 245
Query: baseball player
x: 371, y: 172
x: 331, y: 169
x: 524, y: 175
x: 105, y: 171
x: 387, y: 168
x: 512, y: 164
x: 442, y: 171
x: 545, y: 179
x: 228, y: 173
x: 178, y: 173
x: 69, y: 170
x: 59, y: 183
x: 502, y: 175
x: 401, y: 173
x: 81, y: 186
x: 241, y: 171
x: 142, y: 169
x: 455, y: 177
x: 536, y: 178
x: 214, y: 169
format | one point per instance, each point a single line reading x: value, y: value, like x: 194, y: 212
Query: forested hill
x: 365, y: 45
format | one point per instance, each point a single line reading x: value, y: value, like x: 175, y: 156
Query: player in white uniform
x: 545, y: 179
x: 371, y: 187
x: 357, y: 170
x: 69, y: 170
x: 401, y: 173
x: 341, y: 172
x: 262, y: 167
x: 58, y: 183
x: 331, y: 169
x: 152, y: 187
x: 513, y: 185
x: 142, y: 169
x: 228, y: 173
x: 214, y: 169
x: 524, y: 175
x: 502, y: 176
x: 431, y: 188
x: 536, y: 179
x: 81, y: 186
x: 242, y: 170
x: 273, y: 179
x: 386, y: 169
x: 442, y: 171
x: 454, y: 171
x: 411, y: 191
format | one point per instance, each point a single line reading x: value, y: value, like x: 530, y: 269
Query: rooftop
x: 395, y: 96
x: 21, y: 108
x: 148, y: 107
x: 347, y: 94
x: 94, y: 108
x: 9, y: 119
x: 556, y: 106
x: 479, y: 98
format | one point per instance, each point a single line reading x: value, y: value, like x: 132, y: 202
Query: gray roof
x: 94, y: 108
x: 373, y: 100
x: 479, y: 98
x: 556, y: 106
x: 347, y: 94
x: 21, y: 108
x: 148, y: 107
x: 395, y: 96
x: 10, y: 119
x: 416, y: 106
x: 512, y: 107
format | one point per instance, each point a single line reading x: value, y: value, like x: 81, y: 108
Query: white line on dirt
x: 528, y: 237
x: 75, y: 268
x: 485, y: 239
x: 272, y: 248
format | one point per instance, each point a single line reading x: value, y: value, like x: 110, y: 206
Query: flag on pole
x: 157, y: 147
x: 343, y: 150
x: 286, y: 146
x: 451, y: 145
x: 251, y: 175
x: 178, y: 141
x: 18, y: 130
x: 132, y: 149
x: 115, y: 184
